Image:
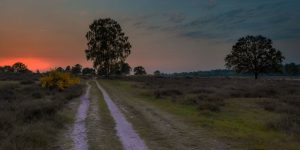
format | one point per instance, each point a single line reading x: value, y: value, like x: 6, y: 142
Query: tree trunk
x: 107, y: 73
x: 256, y: 75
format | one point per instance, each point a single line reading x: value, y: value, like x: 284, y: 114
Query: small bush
x: 210, y: 103
x: 58, y: 80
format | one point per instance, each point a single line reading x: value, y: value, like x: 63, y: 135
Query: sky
x: 166, y: 35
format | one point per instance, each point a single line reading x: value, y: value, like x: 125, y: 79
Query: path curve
x: 79, y: 136
x: 128, y: 137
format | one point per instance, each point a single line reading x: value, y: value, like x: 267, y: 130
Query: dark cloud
x: 267, y: 18
x: 257, y: 20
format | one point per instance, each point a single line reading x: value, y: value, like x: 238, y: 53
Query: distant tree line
x: 290, y: 69
x: 18, y: 67
x: 77, y: 69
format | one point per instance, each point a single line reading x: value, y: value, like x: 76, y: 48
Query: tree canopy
x: 20, y: 67
x: 88, y: 71
x: 156, y: 73
x: 68, y: 69
x: 254, y: 54
x: 60, y: 69
x: 76, y: 69
x: 107, y: 45
x: 7, y: 69
x: 121, y: 68
x: 139, y: 70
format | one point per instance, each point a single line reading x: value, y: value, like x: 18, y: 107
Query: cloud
x: 266, y: 19
x: 212, y: 3
x: 227, y: 22
x: 176, y: 17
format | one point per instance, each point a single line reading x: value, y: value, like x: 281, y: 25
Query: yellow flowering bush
x: 58, y: 80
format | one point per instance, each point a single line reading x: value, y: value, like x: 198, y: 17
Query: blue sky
x: 169, y: 35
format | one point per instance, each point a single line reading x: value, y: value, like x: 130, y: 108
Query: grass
x: 30, y: 116
x: 243, y: 121
x: 159, y: 129
x: 12, y: 76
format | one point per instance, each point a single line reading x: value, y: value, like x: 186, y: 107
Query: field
x: 30, y: 116
x: 215, y: 113
x: 167, y: 113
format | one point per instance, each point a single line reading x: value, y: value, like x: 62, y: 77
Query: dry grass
x: 211, y: 94
x: 29, y: 116
x: 241, y: 112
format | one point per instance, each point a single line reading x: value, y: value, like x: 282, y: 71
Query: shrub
x: 213, y: 104
x: 58, y: 80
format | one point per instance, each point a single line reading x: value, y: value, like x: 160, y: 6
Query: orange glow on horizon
x: 33, y: 64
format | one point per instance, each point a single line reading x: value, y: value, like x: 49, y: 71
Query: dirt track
x: 79, y: 130
x: 128, y: 137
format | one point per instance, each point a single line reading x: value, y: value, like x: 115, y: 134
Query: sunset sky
x: 168, y: 35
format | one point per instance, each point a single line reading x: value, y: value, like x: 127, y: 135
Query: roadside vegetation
x: 58, y: 80
x: 30, y: 115
x: 242, y: 112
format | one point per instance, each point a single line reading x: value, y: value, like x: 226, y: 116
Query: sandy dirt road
x: 128, y: 136
x: 79, y: 136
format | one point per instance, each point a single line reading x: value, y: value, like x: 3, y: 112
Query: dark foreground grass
x: 247, y: 114
x: 29, y: 114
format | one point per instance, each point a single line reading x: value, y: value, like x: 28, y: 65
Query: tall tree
x: 76, y: 69
x: 20, y: 67
x: 254, y: 54
x: 107, y: 45
x: 139, y: 70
